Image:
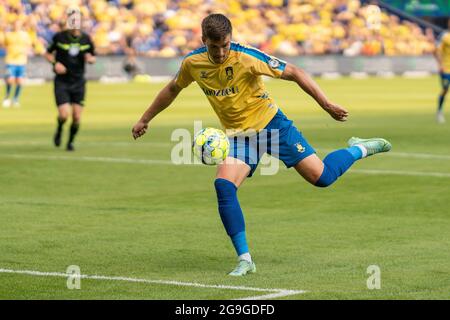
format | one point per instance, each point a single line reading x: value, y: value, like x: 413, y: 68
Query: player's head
x: 448, y: 24
x: 73, y: 18
x: 216, y: 35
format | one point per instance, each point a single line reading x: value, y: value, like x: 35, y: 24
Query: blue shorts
x: 280, y: 138
x: 15, y: 71
x: 445, y: 80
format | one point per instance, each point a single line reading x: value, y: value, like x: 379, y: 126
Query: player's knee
x: 63, y: 116
x: 326, y: 179
x: 76, y: 119
x: 313, y: 177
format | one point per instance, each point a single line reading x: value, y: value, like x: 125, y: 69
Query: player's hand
x: 336, y: 112
x: 139, y: 129
x: 60, y: 68
x: 89, y: 58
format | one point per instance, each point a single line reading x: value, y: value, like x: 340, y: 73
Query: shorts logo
x: 274, y: 63
x: 229, y: 72
x: 203, y: 74
x: 300, y: 148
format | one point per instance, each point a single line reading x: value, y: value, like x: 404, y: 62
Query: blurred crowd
x: 168, y: 28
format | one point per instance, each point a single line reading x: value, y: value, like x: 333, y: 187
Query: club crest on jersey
x: 300, y: 148
x: 274, y: 63
x: 229, y: 73
x: 74, y: 50
x: 203, y: 75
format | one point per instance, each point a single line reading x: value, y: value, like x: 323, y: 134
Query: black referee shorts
x: 69, y: 92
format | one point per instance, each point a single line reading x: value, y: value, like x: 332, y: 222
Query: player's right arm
x: 161, y: 102
x: 50, y: 56
x: 304, y: 81
x: 164, y: 98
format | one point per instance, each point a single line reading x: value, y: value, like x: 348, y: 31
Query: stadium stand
x: 170, y: 28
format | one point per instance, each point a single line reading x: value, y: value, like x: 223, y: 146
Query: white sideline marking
x: 277, y: 293
x: 403, y: 173
x: 90, y: 143
x: 412, y: 155
x: 89, y: 159
x: 280, y: 294
x: 418, y: 155
x: 167, y: 162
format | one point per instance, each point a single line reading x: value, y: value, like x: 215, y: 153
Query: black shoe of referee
x: 70, y: 147
x: 57, y: 138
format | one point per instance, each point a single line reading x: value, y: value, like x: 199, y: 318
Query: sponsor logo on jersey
x: 221, y: 92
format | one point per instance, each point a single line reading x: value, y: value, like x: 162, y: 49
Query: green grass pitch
x: 104, y: 210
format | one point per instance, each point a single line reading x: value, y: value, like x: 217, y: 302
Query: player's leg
x: 77, y: 110
x: 445, y: 82
x: 63, y: 115
x: 77, y: 93
x: 296, y: 152
x: 9, y: 81
x: 19, y: 75
x: 230, y: 175
x: 62, y: 99
x: 242, y: 162
x: 324, y: 173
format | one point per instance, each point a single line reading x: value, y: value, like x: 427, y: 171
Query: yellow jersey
x: 444, y: 51
x: 17, y: 45
x: 234, y: 88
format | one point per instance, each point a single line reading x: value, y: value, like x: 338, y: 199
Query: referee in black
x: 68, y: 53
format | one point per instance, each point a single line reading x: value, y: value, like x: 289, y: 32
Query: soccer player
x: 230, y: 76
x: 17, y: 44
x: 442, y: 55
x: 69, y: 51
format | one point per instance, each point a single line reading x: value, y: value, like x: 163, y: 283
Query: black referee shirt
x: 70, y: 51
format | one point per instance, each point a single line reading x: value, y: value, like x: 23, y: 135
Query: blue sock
x: 441, y: 102
x: 231, y: 214
x: 8, y: 90
x: 335, y: 164
x: 356, y: 152
x: 17, y: 92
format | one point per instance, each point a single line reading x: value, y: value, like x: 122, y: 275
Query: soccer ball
x: 211, y: 146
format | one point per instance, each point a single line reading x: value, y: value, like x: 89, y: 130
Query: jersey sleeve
x: 52, y: 46
x: 266, y: 65
x: 183, y: 77
x: 91, y: 49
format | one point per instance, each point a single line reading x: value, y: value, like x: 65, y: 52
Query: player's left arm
x: 299, y: 76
